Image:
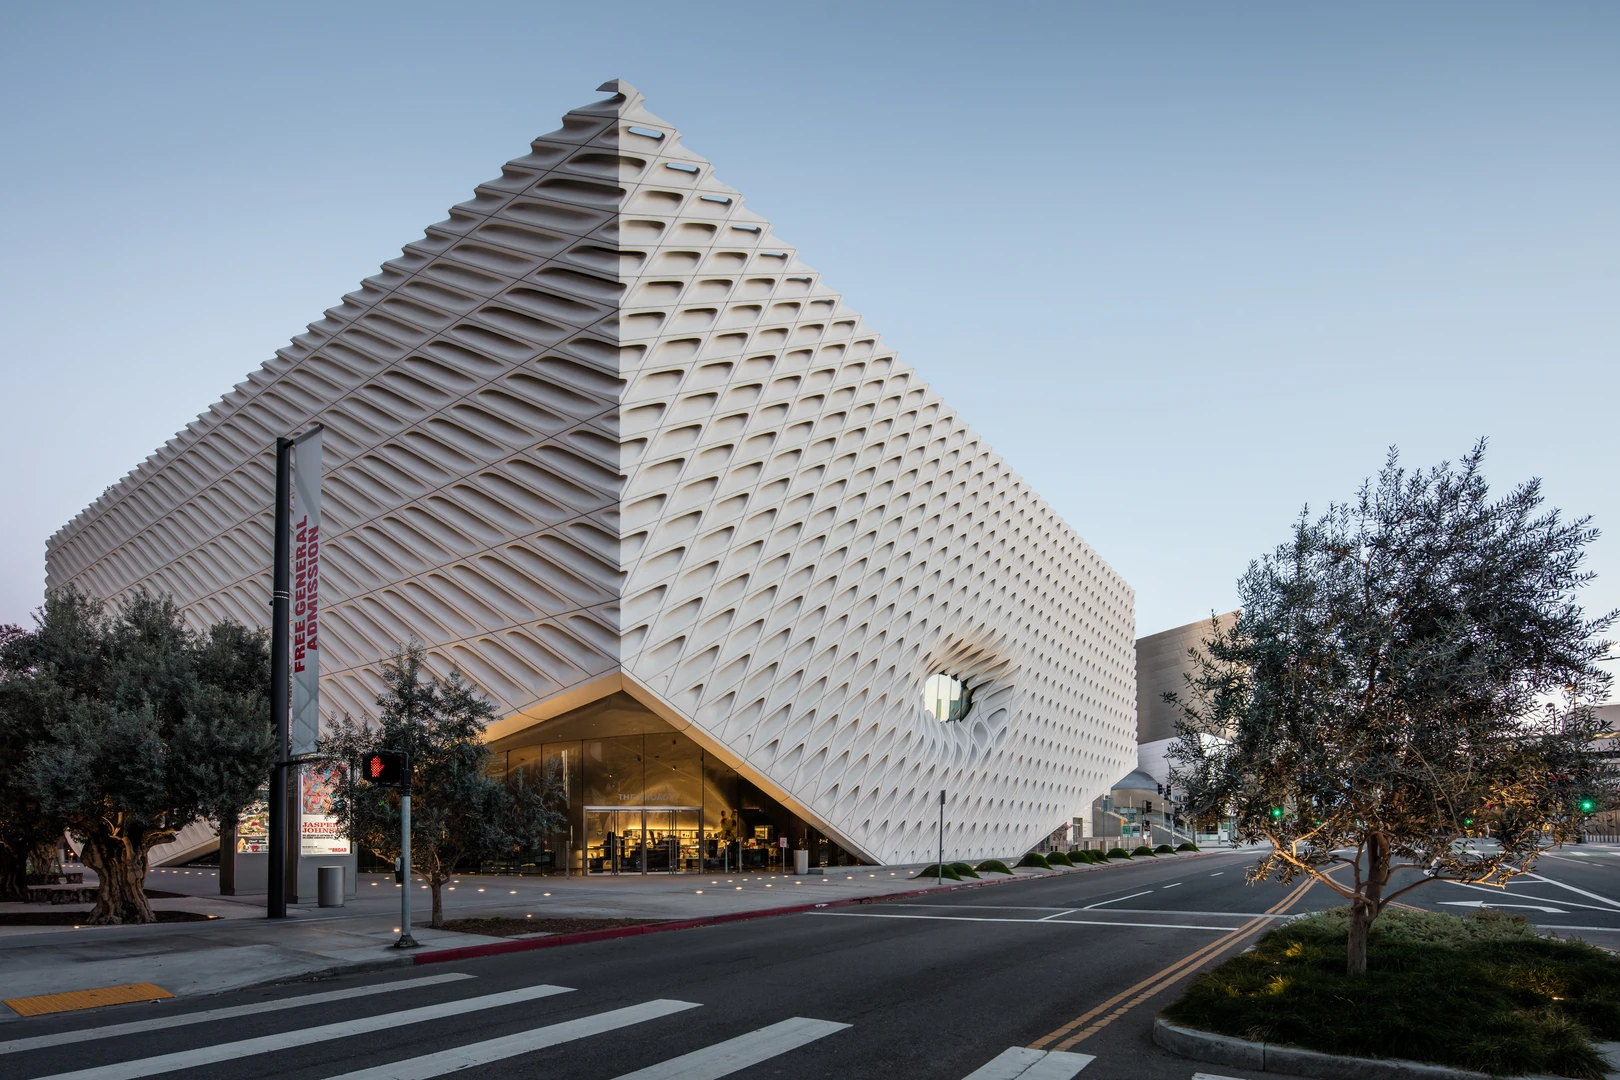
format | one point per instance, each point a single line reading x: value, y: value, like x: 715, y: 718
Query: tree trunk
x: 1360, y: 924
x: 13, y: 878
x: 438, y: 906
x: 1364, y: 908
x: 120, y: 867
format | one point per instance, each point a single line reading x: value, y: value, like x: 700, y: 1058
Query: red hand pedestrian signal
x: 385, y: 768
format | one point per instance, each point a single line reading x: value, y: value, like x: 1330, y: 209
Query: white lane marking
x: 1022, y: 1063
x: 734, y: 1055
x: 1494, y: 904
x: 1217, y: 873
x: 1055, y: 914
x: 1116, y: 900
x: 1039, y: 922
x: 164, y: 1023
x: 482, y: 1053
x: 1214, y: 914
x: 1172, y: 885
x: 1520, y: 895
x: 1213, y: 1076
x: 208, y: 1055
x: 1132, y: 910
x: 1556, y: 926
x: 975, y: 907
x: 1573, y: 889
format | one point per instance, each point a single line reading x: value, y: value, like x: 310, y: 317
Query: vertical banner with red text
x: 306, y: 590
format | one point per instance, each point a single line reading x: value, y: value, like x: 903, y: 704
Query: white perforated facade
x: 601, y: 430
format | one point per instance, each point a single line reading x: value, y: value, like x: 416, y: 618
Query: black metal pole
x: 280, y: 684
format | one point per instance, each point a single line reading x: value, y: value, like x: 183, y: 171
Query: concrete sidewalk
x: 239, y: 947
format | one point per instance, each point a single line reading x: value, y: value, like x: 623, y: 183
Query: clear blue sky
x: 1187, y: 266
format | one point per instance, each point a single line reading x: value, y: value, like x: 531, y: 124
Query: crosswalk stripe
x: 482, y: 1053
x: 1022, y: 1063
x: 207, y: 1055
x: 725, y: 1058
x: 36, y: 1042
x: 1057, y: 1065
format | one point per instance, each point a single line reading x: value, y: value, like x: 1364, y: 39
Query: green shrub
x: 994, y: 866
x: 963, y: 869
x: 1187, y: 846
x: 1164, y: 849
x: 1034, y: 859
x: 1143, y: 850
x: 1118, y: 853
x: 1482, y: 992
x: 1058, y: 858
x: 1084, y: 855
x: 933, y: 871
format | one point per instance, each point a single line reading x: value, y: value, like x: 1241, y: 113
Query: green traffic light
x: 1276, y: 812
x: 1588, y: 805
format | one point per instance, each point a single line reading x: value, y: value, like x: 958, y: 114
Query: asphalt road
x: 935, y: 986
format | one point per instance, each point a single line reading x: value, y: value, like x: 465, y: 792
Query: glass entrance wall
x: 651, y: 801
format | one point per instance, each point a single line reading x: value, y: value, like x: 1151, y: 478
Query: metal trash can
x: 329, y: 885
x: 801, y: 861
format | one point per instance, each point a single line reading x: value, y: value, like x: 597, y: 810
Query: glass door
x: 633, y: 845
x: 602, y: 843
x: 689, y: 840
x: 659, y: 842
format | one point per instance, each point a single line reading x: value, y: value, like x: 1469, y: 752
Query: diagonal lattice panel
x: 601, y: 422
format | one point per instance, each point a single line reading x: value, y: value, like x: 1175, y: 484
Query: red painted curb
x: 468, y: 952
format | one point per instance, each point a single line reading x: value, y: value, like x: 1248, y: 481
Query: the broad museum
x: 601, y: 441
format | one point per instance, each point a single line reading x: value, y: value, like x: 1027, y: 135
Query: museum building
x: 603, y: 443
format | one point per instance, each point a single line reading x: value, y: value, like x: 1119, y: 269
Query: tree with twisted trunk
x: 134, y: 726
x: 1410, y: 674
x: 460, y: 809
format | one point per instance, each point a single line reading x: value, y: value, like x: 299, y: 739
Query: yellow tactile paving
x: 86, y: 999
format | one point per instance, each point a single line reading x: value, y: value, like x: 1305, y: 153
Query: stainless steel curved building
x: 601, y: 440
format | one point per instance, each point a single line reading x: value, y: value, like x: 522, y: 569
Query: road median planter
x: 1443, y: 996
x: 1265, y: 1057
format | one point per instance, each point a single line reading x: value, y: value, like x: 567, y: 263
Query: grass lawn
x: 1481, y: 992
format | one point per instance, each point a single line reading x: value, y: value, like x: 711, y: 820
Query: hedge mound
x: 1481, y: 992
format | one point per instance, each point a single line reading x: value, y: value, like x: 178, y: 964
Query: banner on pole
x: 306, y: 590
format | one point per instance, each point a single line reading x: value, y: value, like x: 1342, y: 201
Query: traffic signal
x: 385, y: 768
x: 1588, y: 805
x: 1276, y: 813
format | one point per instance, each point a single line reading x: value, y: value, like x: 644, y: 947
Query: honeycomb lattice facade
x: 601, y: 430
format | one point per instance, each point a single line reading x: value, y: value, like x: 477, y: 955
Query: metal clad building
x: 602, y: 441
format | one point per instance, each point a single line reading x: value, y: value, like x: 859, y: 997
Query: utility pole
x: 406, y: 941
x: 280, y: 635
x: 940, y: 867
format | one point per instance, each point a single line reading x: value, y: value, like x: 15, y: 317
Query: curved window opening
x: 947, y: 697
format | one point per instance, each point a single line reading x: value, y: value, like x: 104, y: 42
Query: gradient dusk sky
x: 1188, y: 267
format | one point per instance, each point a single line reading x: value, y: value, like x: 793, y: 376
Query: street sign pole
x: 940, y: 867
x: 276, y: 902
x: 406, y: 941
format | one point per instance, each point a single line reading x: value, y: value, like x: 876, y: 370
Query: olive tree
x: 1410, y: 670
x: 126, y: 726
x: 460, y: 811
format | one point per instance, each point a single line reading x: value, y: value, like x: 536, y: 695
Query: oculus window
x: 946, y: 697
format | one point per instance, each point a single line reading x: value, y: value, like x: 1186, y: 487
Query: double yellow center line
x: 1088, y: 1023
